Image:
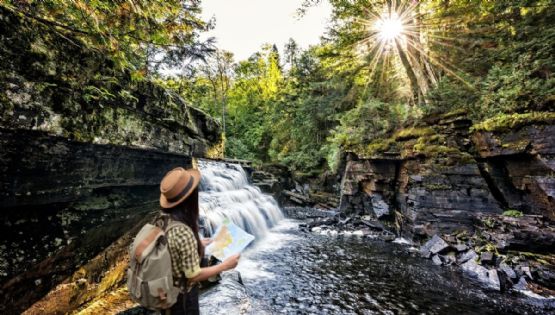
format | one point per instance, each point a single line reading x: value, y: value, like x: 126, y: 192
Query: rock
x: 379, y: 206
x: 526, y: 271
x: 486, y: 257
x: 461, y: 247
x: 525, y: 182
x: 435, y: 245
x: 488, y: 278
x: 522, y: 284
x: 546, y: 276
x: 470, y: 255
x: 387, y: 236
x: 507, y: 270
x: 526, y: 233
x: 494, y: 282
x: 373, y: 225
x: 450, y: 258
x: 436, y: 260
x: 228, y: 297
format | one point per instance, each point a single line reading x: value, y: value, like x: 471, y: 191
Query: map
x: 228, y: 240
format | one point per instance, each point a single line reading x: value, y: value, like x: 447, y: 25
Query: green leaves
x: 131, y: 32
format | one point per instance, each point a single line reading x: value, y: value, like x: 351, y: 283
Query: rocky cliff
x: 439, y: 175
x: 83, y: 147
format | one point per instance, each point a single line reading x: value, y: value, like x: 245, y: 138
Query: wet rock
x: 507, y: 270
x: 461, y: 247
x: 450, y: 258
x: 228, y: 297
x: 379, y: 206
x: 486, y: 257
x: 526, y: 270
x: 387, y: 236
x: 522, y: 284
x: 527, y: 233
x: 488, y: 278
x: 436, y: 260
x: 435, y: 245
x: 470, y: 255
x: 493, y: 277
x: 546, y: 276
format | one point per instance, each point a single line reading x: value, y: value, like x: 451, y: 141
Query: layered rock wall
x: 438, y: 177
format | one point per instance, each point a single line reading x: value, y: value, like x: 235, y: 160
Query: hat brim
x: 164, y: 203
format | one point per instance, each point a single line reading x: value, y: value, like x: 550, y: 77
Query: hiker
x: 179, y: 202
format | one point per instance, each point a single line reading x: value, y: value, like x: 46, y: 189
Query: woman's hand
x: 205, y: 241
x: 231, y: 262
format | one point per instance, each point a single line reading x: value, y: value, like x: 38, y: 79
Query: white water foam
x: 225, y: 192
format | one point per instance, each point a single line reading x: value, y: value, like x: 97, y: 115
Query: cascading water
x: 225, y: 192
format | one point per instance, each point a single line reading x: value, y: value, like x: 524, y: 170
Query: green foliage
x: 369, y: 120
x: 133, y: 33
x: 490, y: 61
x: 449, y: 95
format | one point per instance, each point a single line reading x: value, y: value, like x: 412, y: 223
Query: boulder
x: 461, y: 247
x: 507, y: 270
x: 488, y: 278
x: 435, y: 245
x: 522, y: 284
x: 470, y: 255
x: 486, y: 257
x: 450, y: 258
x: 436, y: 260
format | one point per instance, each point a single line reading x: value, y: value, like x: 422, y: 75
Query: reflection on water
x: 297, y: 273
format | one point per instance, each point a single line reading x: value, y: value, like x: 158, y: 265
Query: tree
x: 138, y: 35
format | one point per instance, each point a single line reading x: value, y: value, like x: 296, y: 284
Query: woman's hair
x: 188, y: 212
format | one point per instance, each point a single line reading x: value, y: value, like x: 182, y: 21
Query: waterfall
x: 225, y: 192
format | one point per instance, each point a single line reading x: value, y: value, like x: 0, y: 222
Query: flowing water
x: 225, y: 192
x: 293, y: 272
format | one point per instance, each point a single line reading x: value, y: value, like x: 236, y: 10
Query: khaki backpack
x: 149, y: 277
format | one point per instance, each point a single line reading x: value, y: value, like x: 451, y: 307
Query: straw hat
x: 177, y: 185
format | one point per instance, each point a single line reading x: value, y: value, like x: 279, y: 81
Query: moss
x: 513, y: 213
x: 505, y: 122
x: 376, y: 147
x: 517, y: 145
x: 412, y: 133
x: 455, y: 113
x: 437, y: 187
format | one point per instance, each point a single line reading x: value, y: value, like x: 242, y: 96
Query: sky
x: 243, y: 26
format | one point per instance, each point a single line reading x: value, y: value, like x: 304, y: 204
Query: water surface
x: 294, y: 272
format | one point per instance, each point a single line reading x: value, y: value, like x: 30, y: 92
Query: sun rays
x: 399, y: 30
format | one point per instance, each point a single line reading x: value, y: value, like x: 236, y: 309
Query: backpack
x: 149, y: 277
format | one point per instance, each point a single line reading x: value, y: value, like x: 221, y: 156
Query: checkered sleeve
x: 183, y: 251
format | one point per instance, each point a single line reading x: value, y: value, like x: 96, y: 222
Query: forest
x: 490, y: 59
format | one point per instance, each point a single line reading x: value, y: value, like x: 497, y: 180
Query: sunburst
x: 397, y: 30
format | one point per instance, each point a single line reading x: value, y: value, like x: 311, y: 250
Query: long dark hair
x: 188, y: 212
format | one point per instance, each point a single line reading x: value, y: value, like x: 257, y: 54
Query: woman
x: 179, y: 202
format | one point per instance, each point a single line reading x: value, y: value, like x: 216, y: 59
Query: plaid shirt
x: 184, y: 255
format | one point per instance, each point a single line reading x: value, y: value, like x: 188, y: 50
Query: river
x: 295, y: 272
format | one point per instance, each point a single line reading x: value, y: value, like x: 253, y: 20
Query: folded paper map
x: 228, y: 240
